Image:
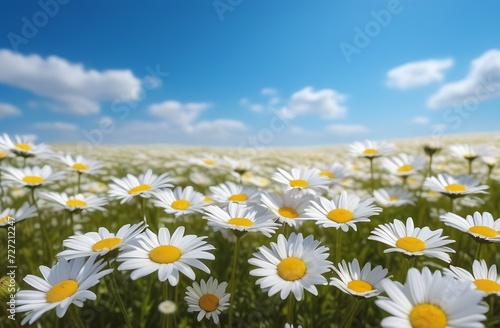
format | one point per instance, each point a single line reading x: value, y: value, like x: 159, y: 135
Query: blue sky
x: 248, y: 73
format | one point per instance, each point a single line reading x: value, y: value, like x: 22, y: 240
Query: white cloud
x: 7, y: 110
x: 481, y: 83
x: 70, y: 86
x: 347, y: 129
x: 256, y: 108
x: 326, y: 103
x: 61, y: 126
x: 218, y: 128
x: 420, y: 120
x: 419, y: 73
x: 178, y: 113
x: 269, y: 92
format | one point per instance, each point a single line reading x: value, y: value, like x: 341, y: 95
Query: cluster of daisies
x: 275, y: 207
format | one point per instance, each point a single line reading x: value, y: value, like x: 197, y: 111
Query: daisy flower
x: 413, y: 241
x: 81, y: 164
x: 180, y: 201
x: 470, y: 152
x: 404, y: 165
x: 232, y: 192
x: 24, y: 212
x: 167, y: 307
x: 455, y: 186
x: 167, y: 254
x: 142, y: 186
x: 291, y: 266
x: 208, y: 298
x: 100, y: 242
x: 240, y: 166
x: 24, y: 146
x: 482, y: 278
x: 67, y: 283
x: 359, y: 282
x: 431, y: 300
x: 241, y: 218
x: 288, y: 207
x: 480, y: 226
x: 77, y: 203
x: 335, y: 172
x: 31, y: 177
x: 371, y: 149
x: 206, y: 160
x: 301, y: 178
x: 394, y: 196
x: 200, y: 179
x: 343, y: 211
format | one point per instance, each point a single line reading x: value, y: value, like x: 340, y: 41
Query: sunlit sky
x: 241, y: 72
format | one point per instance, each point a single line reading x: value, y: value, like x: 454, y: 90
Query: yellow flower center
x: 180, y: 204
x: 165, y: 254
x: 359, y: 286
x: 139, y: 189
x: 208, y: 302
x: 76, y: 203
x: 238, y: 198
x: 394, y: 198
x: 455, y: 187
x: 209, y: 162
x: 299, y: 183
x: 3, y: 154
x: 80, y: 167
x: 370, y: 151
x: 488, y: 286
x: 484, y: 231
x: 107, y: 243
x: 5, y: 219
x: 291, y: 268
x: 428, y: 316
x: 340, y: 215
x: 32, y: 179
x: 23, y: 146
x: 207, y: 199
x: 61, y: 291
x: 405, y: 168
x: 410, y: 244
x: 288, y: 212
x: 242, y: 222
x: 327, y: 174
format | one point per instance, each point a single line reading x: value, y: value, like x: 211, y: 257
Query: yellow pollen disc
x: 80, y: 167
x: 208, y: 302
x: 139, y: 189
x: 207, y: 199
x: 488, y: 286
x: 180, y: 204
x: 299, y: 183
x: 242, y: 222
x: 484, y: 231
x: 209, y: 162
x: 327, y: 174
x: 288, y: 212
x: 428, y: 316
x: 455, y: 187
x: 62, y: 290
x: 394, y: 198
x: 405, y: 168
x: 23, y: 146
x: 5, y: 219
x: 76, y: 203
x: 410, y: 244
x: 340, y: 215
x: 32, y: 179
x: 359, y: 286
x: 107, y: 243
x: 355, y: 167
x: 247, y: 175
x: 165, y: 254
x: 291, y: 268
x: 370, y: 151
x: 238, y: 198
x: 3, y: 154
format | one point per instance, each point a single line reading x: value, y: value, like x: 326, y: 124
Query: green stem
x: 338, y: 246
x: 291, y: 301
x: 404, y: 268
x: 451, y: 204
x: 478, y: 250
x: 429, y: 169
x: 346, y: 323
x: 45, y: 235
x: 232, y: 281
x: 1, y: 190
x: 285, y: 229
x: 116, y: 294
x: 372, y: 176
x: 79, y: 181
x: 470, y: 166
x: 75, y: 316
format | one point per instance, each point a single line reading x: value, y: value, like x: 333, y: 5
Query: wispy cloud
x: 178, y: 113
x: 326, y: 103
x: 7, y: 110
x: 256, y: 108
x: 420, y: 120
x: 418, y: 73
x: 347, y: 129
x: 60, y: 126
